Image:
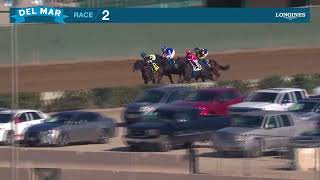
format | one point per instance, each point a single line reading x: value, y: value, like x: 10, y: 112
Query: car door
x: 287, y: 100
x: 185, y: 130
x: 35, y: 118
x: 75, y: 128
x: 286, y: 129
x: 228, y: 98
x: 91, y: 129
x: 22, y: 123
x: 270, y: 133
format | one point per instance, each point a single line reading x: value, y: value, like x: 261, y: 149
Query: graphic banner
x: 159, y: 15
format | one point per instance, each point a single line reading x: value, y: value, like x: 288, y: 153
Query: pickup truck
x: 212, y: 101
x: 151, y: 99
x: 171, y: 126
x: 273, y: 99
x: 259, y: 132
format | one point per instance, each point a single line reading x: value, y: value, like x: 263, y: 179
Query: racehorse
x: 147, y: 71
x: 215, y: 67
x: 167, y: 69
x: 190, y: 73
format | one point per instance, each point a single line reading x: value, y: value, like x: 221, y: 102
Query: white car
x: 273, y: 99
x: 13, y: 123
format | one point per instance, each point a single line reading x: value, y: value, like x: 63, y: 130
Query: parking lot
x: 273, y: 165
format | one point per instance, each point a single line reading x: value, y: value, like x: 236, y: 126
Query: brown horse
x: 215, y: 67
x: 147, y: 71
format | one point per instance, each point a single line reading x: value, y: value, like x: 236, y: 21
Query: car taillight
x: 204, y: 111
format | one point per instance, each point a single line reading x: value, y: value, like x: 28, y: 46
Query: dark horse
x: 147, y: 71
x: 215, y: 67
x: 167, y: 69
x: 183, y: 69
x: 189, y: 73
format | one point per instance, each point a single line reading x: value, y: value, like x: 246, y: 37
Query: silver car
x: 69, y: 127
x: 260, y: 131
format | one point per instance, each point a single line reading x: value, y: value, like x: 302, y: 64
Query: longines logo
x: 290, y: 16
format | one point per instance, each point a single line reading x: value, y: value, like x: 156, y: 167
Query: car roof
x: 217, y: 89
x: 169, y: 88
x: 310, y: 100
x: 264, y: 113
x: 75, y: 113
x: 280, y: 90
x: 16, y: 111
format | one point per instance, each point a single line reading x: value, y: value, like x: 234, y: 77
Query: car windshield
x: 262, y: 97
x: 202, y: 96
x: 5, y: 118
x: 247, y: 121
x: 315, y: 132
x: 179, y: 95
x: 169, y: 115
x: 151, y: 96
x: 303, y: 107
x: 60, y: 118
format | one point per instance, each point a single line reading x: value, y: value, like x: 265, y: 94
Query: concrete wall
x: 115, y: 161
x: 71, y: 174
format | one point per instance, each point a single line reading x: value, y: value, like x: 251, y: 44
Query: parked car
x: 309, y: 139
x: 307, y: 108
x: 171, y: 126
x: 273, y: 99
x: 14, y: 123
x: 259, y: 131
x: 151, y: 99
x: 69, y: 127
x: 212, y: 101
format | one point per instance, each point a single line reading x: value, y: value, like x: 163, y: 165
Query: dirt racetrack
x: 71, y: 76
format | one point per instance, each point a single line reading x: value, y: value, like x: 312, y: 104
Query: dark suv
x: 170, y: 125
x: 151, y: 99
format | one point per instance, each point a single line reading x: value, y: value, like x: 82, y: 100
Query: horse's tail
x: 214, y: 63
x: 224, y: 68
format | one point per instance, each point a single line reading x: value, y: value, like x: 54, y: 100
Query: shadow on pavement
x: 276, y: 155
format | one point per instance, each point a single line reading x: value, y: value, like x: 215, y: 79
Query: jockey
x: 201, y: 53
x: 193, y: 59
x: 168, y: 53
x: 150, y: 58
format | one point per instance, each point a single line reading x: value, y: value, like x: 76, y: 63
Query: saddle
x: 194, y: 68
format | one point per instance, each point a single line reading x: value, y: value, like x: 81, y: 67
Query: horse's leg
x: 170, y: 77
x: 160, y: 78
x: 179, y: 80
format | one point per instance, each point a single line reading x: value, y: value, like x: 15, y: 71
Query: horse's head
x: 138, y: 65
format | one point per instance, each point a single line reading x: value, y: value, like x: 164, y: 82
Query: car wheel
x: 257, y: 152
x: 134, y: 148
x: 103, y: 136
x: 165, y: 146
x: 223, y: 154
x: 62, y: 140
x: 9, y: 138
